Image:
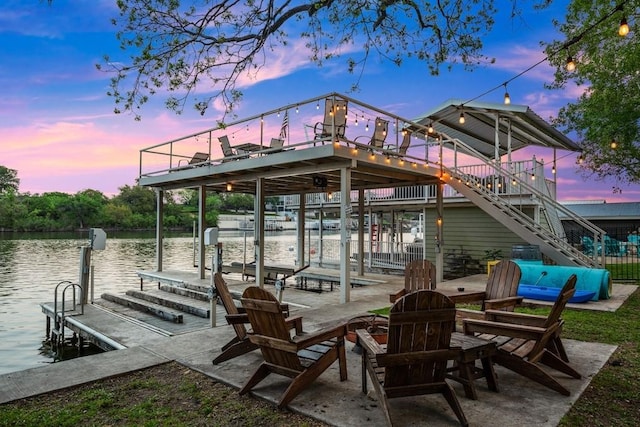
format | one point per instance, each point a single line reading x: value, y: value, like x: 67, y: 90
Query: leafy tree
x: 237, y: 202
x: 141, y: 200
x: 174, y: 46
x: 9, y: 181
x: 606, y: 116
x: 86, y: 208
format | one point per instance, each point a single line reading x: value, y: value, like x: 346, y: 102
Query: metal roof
x: 478, y: 130
x: 605, y: 211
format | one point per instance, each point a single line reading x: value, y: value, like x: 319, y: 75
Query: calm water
x: 31, y: 267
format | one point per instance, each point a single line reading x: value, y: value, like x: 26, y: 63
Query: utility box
x: 211, y: 236
x: 98, y: 239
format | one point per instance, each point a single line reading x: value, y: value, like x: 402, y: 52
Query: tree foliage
x: 9, y: 181
x: 606, y: 115
x: 177, y: 46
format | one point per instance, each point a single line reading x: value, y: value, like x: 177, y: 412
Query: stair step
x: 176, y: 302
x: 186, y: 292
x: 145, y: 306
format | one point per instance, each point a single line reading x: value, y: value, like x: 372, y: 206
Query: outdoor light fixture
x: 439, y: 221
x: 507, y: 98
x: 461, y: 120
x: 430, y: 127
x: 571, y: 66
x: 229, y: 186
x: 614, y: 144
x: 623, y: 30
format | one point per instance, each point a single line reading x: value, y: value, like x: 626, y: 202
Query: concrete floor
x: 520, y: 401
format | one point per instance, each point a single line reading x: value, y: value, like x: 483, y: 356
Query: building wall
x: 468, y: 233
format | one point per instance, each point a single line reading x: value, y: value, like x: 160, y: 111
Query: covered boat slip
x: 330, y: 144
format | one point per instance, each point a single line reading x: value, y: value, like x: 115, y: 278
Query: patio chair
x: 236, y: 317
x: 276, y: 145
x: 379, y: 133
x: 303, y: 357
x: 414, y: 362
x: 524, y: 340
x: 501, y: 292
x: 335, y: 120
x: 418, y: 274
x: 197, y: 159
x: 227, y: 151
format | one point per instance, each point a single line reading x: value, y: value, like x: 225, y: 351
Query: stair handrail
x: 597, y: 232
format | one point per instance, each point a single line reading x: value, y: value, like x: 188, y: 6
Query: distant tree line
x: 133, y: 208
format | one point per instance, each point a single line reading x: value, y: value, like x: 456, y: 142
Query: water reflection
x: 31, y: 267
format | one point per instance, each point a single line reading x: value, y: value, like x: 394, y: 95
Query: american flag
x: 285, y: 126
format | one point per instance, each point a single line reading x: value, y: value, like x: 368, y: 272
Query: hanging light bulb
x: 553, y: 169
x: 317, y: 105
x: 430, y: 127
x: 614, y: 144
x: 229, y: 186
x: 297, y: 109
x: 367, y: 126
x: 571, y: 66
x: 623, y: 30
x: 356, y: 120
x: 461, y: 120
x: 507, y: 98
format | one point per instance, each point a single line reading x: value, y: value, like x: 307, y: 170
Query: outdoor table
x: 473, y: 348
x: 249, y: 147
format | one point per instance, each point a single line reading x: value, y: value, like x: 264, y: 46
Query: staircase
x: 551, y: 239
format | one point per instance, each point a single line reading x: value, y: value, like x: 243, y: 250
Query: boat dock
x: 194, y: 344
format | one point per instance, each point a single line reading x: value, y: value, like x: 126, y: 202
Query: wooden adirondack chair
x: 418, y: 274
x: 501, y: 292
x: 236, y: 317
x: 303, y: 357
x: 525, y: 340
x: 418, y: 348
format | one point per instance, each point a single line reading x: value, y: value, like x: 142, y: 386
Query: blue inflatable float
x: 591, y: 280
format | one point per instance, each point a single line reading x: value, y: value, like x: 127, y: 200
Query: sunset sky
x: 60, y: 133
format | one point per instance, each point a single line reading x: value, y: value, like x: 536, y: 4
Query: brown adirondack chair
x: 501, y: 292
x: 526, y: 340
x: 303, y: 357
x: 418, y: 348
x: 418, y: 274
x: 236, y: 317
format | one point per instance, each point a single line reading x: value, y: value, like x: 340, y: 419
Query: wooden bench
x: 271, y: 273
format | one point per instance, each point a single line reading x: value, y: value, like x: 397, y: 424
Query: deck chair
x: 276, y: 145
x: 418, y: 348
x: 525, y: 340
x: 303, y: 357
x: 198, y: 157
x: 227, y: 151
x: 501, y: 292
x: 236, y: 317
x: 335, y: 120
x: 418, y: 274
x: 404, y: 145
x: 379, y: 133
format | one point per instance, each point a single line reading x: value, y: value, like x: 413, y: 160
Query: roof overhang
x: 479, y: 129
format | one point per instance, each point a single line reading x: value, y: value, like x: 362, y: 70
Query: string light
x: 623, y: 30
x: 461, y: 119
x: 297, y: 109
x: 570, y: 65
x: 430, y: 127
x: 507, y: 98
x: 614, y: 144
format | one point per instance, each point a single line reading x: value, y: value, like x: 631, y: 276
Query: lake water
x: 32, y: 265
